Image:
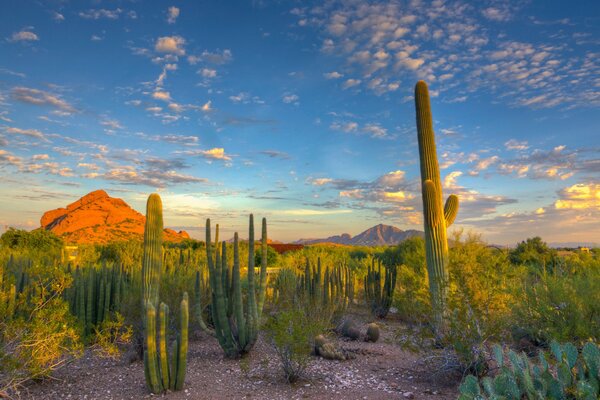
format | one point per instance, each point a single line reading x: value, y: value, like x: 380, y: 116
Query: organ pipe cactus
x: 160, y: 374
x: 437, y: 218
x: 236, y: 322
x: 379, y: 288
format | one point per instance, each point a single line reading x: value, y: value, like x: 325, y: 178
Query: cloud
x: 172, y: 14
x: 307, y: 212
x: 276, y: 154
x: 290, y: 98
x: 208, y: 73
x: 149, y: 177
x: 217, y: 153
x: 344, y: 126
x: 27, y: 132
x: 178, y: 139
x: 581, y: 196
x: 375, y: 130
x: 170, y: 44
x: 57, y: 16
x: 8, y: 158
x: 513, y: 144
x: 206, y: 107
x: 41, y: 98
x: 333, y: 75
x: 24, y: 36
x: 496, y: 14
x: 161, y: 95
x: 350, y: 83
x: 217, y: 57
x: 101, y: 13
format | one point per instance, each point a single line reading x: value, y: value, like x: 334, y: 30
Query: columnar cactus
x: 379, y: 288
x: 332, y: 288
x: 436, y: 218
x: 160, y: 374
x: 153, y: 257
x: 236, y: 323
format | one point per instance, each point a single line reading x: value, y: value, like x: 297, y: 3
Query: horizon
x: 304, y: 114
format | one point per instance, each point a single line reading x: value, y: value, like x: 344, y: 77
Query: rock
x: 408, y: 395
x: 99, y: 218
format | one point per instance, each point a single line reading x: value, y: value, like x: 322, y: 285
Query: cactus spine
x: 436, y: 218
x: 160, y: 376
x: 236, y: 323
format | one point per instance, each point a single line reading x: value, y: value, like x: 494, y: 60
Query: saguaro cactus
x: 436, y: 217
x: 152, y: 261
x: 160, y: 375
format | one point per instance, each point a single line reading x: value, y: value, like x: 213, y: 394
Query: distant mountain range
x: 379, y: 235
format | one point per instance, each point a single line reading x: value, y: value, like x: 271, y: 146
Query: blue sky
x: 303, y: 112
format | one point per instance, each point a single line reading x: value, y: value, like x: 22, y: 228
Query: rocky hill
x: 379, y: 235
x: 99, y: 218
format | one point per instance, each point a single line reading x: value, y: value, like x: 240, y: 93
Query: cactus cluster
x: 8, y: 297
x: 236, y: 321
x: 572, y: 375
x: 333, y: 288
x: 95, y: 293
x: 380, y: 283
x: 437, y: 218
x: 161, y: 371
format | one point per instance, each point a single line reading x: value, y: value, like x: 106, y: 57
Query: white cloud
x: 172, y: 14
x: 514, y: 144
x: 350, y: 83
x: 290, y: 98
x: 170, y: 44
x: 207, y: 106
x: 23, y: 36
x: 333, y: 75
x: 40, y: 97
x: 208, y: 73
x: 161, y: 95
x: 101, y: 13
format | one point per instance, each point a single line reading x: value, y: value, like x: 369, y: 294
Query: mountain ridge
x: 99, y: 218
x: 378, y: 235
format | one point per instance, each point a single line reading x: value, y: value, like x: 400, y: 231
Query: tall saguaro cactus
x: 437, y: 218
x: 160, y: 374
x: 152, y: 261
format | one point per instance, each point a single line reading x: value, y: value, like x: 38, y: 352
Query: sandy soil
x: 381, y: 370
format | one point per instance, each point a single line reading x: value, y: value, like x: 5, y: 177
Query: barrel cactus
x: 437, y: 218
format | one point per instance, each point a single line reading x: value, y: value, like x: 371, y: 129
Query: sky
x: 303, y: 112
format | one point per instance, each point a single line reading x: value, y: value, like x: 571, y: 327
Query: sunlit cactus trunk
x: 437, y: 218
x: 160, y: 375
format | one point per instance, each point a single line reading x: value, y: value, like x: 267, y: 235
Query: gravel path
x: 380, y: 371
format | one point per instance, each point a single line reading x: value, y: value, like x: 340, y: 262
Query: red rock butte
x: 99, y: 218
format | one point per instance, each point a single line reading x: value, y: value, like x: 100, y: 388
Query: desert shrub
x: 41, y: 335
x: 560, y: 306
x: 533, y: 252
x: 292, y: 326
x: 272, y: 257
x: 111, y: 336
